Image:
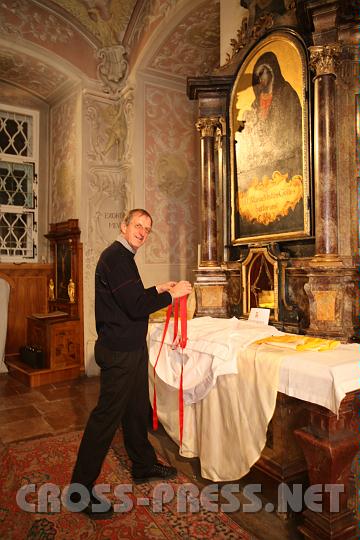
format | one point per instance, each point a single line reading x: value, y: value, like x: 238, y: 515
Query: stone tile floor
x: 27, y: 413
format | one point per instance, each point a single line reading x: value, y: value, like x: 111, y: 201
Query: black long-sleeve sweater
x: 122, y: 304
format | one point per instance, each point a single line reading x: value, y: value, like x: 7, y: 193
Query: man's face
x: 137, y: 231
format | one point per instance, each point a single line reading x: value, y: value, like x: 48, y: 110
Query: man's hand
x: 181, y: 288
x: 163, y: 287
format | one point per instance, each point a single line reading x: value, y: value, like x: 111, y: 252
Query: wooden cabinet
x: 61, y: 340
x: 59, y: 337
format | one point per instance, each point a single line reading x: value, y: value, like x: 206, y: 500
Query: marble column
x: 322, y: 60
x: 211, y: 280
x: 209, y: 249
x: 330, y: 288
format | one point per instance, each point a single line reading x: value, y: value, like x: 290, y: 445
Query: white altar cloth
x: 221, y: 428
x: 323, y: 378
x: 212, y: 349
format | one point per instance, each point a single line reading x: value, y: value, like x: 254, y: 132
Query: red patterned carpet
x: 51, y: 460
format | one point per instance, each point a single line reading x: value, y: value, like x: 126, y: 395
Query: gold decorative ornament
x: 239, y: 42
x: 71, y: 291
x: 267, y: 299
x: 51, y: 289
x: 267, y: 200
x: 324, y: 59
x: 208, y: 125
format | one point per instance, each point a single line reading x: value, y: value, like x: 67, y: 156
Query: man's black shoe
x: 156, y: 472
x: 98, y: 508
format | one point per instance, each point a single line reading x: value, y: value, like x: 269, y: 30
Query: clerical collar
x: 125, y: 243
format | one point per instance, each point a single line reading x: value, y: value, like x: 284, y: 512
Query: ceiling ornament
x: 104, y: 20
x: 113, y: 68
x: 29, y: 73
x: 152, y: 12
x: 193, y: 46
x: 18, y: 18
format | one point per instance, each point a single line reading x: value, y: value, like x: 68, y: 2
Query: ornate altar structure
x: 279, y: 202
x: 270, y: 188
x: 58, y: 330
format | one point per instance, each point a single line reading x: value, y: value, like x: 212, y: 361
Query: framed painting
x: 269, y: 134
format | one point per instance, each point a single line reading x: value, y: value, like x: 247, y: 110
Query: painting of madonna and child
x: 269, y: 132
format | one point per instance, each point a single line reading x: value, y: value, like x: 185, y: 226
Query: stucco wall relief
x: 171, y: 174
x: 107, y: 173
x: 171, y: 188
x: 108, y: 130
x: 112, y: 68
x: 108, y: 157
x: 64, y: 175
x: 107, y: 203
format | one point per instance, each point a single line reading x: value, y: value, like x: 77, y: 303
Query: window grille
x: 18, y: 184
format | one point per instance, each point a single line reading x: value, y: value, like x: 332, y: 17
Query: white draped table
x: 226, y: 385
x: 230, y: 391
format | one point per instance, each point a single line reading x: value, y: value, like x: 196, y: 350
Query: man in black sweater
x: 122, y: 309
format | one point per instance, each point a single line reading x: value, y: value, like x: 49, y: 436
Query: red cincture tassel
x: 181, y: 405
x: 155, y: 416
x: 183, y: 341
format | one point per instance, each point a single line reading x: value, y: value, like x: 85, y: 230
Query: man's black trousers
x: 123, y: 400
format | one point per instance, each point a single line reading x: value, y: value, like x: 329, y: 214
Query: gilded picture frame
x: 269, y: 142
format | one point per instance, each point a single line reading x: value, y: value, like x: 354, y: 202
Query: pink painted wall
x: 171, y: 176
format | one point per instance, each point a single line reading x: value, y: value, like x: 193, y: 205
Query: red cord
x: 183, y: 340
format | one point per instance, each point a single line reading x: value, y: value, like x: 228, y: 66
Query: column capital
x: 207, y: 125
x: 324, y: 59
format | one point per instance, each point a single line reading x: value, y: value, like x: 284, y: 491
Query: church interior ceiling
x: 105, y: 20
x: 37, y: 38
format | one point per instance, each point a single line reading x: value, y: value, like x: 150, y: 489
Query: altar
x: 237, y: 386
x: 279, y: 230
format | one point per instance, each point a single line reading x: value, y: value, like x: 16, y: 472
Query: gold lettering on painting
x: 267, y: 200
x: 325, y: 305
x: 211, y: 296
